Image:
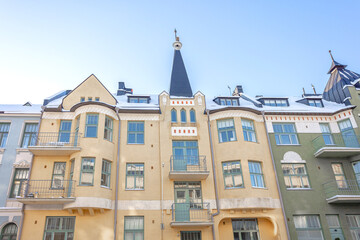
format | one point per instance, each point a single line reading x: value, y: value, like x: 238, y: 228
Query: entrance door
x: 185, y: 153
x: 187, y: 197
x: 245, y: 229
x: 348, y: 134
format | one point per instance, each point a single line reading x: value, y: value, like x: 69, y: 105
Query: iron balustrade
x: 336, y: 140
x: 188, y: 163
x: 341, y: 187
x: 56, y: 139
x: 55, y: 188
x: 191, y: 212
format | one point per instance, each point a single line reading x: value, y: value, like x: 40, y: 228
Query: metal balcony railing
x: 191, y: 212
x: 56, y: 139
x: 188, y: 163
x: 338, y: 140
x: 41, y: 189
x: 341, y: 187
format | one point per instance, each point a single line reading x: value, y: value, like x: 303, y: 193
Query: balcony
x: 190, y: 168
x: 54, y: 191
x: 342, y: 191
x: 191, y: 215
x: 54, y: 143
x: 334, y: 146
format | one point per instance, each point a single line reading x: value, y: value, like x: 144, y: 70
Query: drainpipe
x: 117, y: 175
x: 276, y: 176
x: 31, y: 165
x: 214, y: 176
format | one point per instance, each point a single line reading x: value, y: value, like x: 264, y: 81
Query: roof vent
x: 238, y: 90
x: 258, y: 96
x: 122, y: 90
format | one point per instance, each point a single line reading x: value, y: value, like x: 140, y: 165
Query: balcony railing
x: 337, y: 191
x: 47, y: 189
x: 191, y: 212
x: 336, y: 145
x: 188, y: 163
x: 56, y: 139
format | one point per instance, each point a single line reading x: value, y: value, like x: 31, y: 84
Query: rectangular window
x: 315, y: 103
x: 308, y: 227
x: 135, y: 176
x: 61, y: 228
x: 356, y: 166
x: 226, y: 130
x: 295, y: 176
x: 190, y: 235
x: 64, y: 132
x: 82, y: 99
x: 256, y: 175
x: 232, y: 174
x: 91, y: 125
x: 89, y: 98
x: 87, y: 171
x: 57, y: 180
x: 29, y: 136
x: 105, y: 173
x: 276, y: 102
x: 339, y: 175
x: 108, y: 130
x: 138, y: 99
x: 326, y: 134
x: 134, y: 228
x: 20, y: 175
x: 248, y: 130
x: 4, y: 132
x: 245, y: 229
x: 285, y: 133
x: 97, y: 99
x: 136, y: 132
x: 354, y: 225
x: 348, y: 134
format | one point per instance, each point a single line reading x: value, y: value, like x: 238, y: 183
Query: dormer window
x: 315, y: 103
x: 275, y: 102
x: 136, y: 99
x: 227, y: 101
x: 82, y: 99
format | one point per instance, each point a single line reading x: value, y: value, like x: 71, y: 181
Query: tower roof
x: 179, y: 85
x: 335, y: 64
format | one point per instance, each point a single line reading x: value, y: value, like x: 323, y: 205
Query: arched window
x: 183, y: 115
x: 173, y: 116
x: 192, y: 116
x: 9, y: 232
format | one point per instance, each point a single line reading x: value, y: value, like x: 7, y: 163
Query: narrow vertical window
x: 348, y: 134
x: 4, y: 132
x: 91, y: 125
x: 82, y: 99
x: 232, y: 174
x: 58, y: 176
x: 87, y: 171
x: 65, y: 131
x: 256, y: 175
x: 29, y: 136
x: 356, y: 166
x: 248, y: 130
x: 76, y: 137
x: 295, y: 176
x: 173, y: 116
x: 134, y: 176
x: 308, y: 227
x: 108, y: 130
x: 192, y: 116
x: 59, y: 228
x: 105, y: 173
x: 136, y: 132
x: 20, y: 175
x: 339, y: 175
x: 226, y: 130
x: 134, y: 228
x: 183, y: 115
x: 326, y: 134
x: 354, y: 225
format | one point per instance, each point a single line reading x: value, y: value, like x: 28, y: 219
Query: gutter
x: 117, y: 175
x: 214, y: 176
x: 31, y: 166
x: 276, y: 177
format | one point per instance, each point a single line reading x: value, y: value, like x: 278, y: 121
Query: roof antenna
x: 229, y: 89
x: 304, y: 91
x: 313, y: 88
x: 331, y: 55
x: 176, y: 37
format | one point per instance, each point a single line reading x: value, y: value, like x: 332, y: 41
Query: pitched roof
x: 179, y: 85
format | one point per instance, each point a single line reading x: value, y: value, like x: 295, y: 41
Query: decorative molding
x: 58, y: 115
x: 21, y: 164
x: 95, y: 109
x: 139, y: 205
x: 182, y: 102
x: 139, y: 117
x: 251, y: 202
x: 236, y: 113
x: 292, y: 157
x: 184, y: 131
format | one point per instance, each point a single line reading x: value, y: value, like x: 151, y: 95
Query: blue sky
x: 272, y: 48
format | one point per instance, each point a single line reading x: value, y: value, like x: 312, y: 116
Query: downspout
x: 214, y: 176
x: 276, y: 177
x: 31, y: 165
x: 117, y: 176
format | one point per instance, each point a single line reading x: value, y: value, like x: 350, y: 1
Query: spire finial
x: 331, y: 55
x: 176, y: 37
x: 177, y: 44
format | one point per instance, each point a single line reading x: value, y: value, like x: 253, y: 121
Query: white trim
x: 236, y: 113
x: 139, y: 117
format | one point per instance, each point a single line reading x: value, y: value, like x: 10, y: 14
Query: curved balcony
x: 190, y: 168
x: 342, y: 191
x: 191, y: 215
x: 332, y: 146
x: 56, y: 144
x: 47, y: 191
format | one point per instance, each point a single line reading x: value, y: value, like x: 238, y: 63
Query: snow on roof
x: 20, y: 108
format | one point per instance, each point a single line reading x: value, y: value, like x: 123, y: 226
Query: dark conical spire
x: 179, y: 85
x: 335, y: 64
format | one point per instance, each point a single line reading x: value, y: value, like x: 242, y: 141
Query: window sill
x: 232, y: 188
x: 229, y: 141
x: 135, y: 143
x: 85, y: 185
x: 288, y: 144
x: 263, y: 188
x: 108, y: 140
x: 299, y: 189
x: 90, y: 137
x: 105, y: 187
x: 134, y: 189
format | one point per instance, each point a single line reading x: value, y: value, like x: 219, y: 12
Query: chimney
x: 238, y: 90
x: 122, y: 90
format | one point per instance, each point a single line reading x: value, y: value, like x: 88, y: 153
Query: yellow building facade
x: 167, y: 166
